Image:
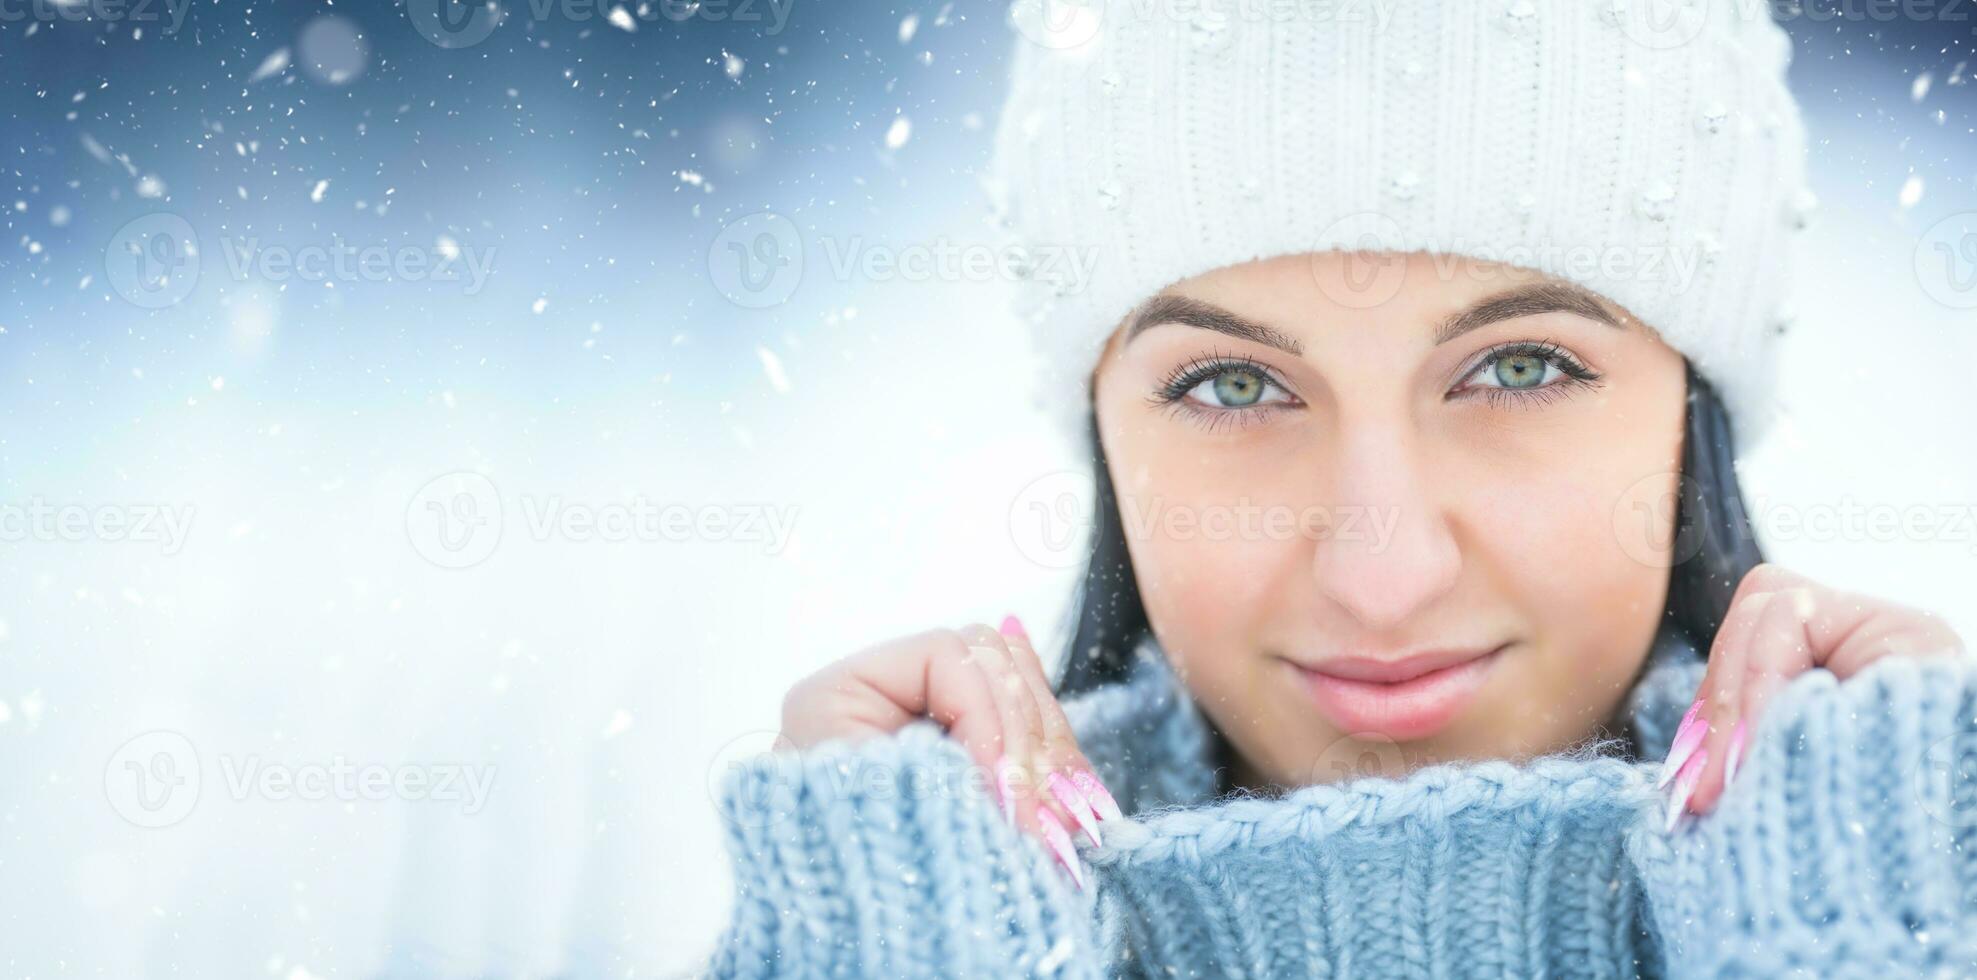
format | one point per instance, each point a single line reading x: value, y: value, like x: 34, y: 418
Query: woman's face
x: 1392, y: 510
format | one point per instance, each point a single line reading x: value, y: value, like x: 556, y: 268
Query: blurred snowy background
x: 407, y: 499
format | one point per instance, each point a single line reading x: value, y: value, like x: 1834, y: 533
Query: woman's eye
x: 1234, y: 387
x: 1528, y: 368
x: 1521, y: 371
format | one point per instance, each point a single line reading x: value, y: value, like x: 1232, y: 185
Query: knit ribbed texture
x: 1844, y: 848
x: 885, y: 860
x: 1847, y: 845
x: 1647, y: 149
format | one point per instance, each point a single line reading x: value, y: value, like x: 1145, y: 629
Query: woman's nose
x: 1389, y: 552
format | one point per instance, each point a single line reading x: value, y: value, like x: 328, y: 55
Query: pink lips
x: 1409, y: 698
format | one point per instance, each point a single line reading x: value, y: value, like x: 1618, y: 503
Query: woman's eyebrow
x: 1207, y: 316
x: 1527, y: 300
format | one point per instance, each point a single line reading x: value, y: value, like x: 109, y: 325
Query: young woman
x: 1406, y: 328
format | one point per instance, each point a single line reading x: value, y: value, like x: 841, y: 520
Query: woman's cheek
x: 1204, y: 567
x: 1593, y: 604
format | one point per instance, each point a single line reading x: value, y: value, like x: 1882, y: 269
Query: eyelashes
x: 1175, y: 392
x: 1561, y: 374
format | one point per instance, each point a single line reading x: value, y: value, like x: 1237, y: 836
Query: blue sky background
x: 298, y: 423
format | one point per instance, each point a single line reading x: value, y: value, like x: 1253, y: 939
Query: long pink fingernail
x: 1095, y: 791
x: 1735, y: 753
x: 1074, y: 801
x: 1003, y: 792
x: 1685, y: 786
x: 1011, y: 626
x: 1059, y: 840
x: 1688, y: 738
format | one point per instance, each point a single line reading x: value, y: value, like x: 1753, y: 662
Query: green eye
x: 1520, y: 370
x: 1221, y: 388
x: 1236, y: 388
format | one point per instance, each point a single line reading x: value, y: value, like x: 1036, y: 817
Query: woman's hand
x: 1781, y: 624
x: 988, y: 688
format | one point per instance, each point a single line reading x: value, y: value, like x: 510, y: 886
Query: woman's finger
x: 1065, y: 795
x: 1781, y: 649
x: 1774, y: 650
x: 928, y: 674
x: 1022, y: 724
x: 1848, y: 631
x: 1844, y: 632
x: 1782, y: 624
x: 1718, y: 707
x: 1067, y: 775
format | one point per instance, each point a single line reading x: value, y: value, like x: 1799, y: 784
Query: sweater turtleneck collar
x: 1532, y: 858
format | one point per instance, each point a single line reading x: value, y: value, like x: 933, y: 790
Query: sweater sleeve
x: 1847, y: 844
x: 890, y: 857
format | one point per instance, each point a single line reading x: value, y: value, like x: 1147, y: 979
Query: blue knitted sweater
x: 1847, y: 846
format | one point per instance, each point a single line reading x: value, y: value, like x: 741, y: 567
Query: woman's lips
x: 1403, y: 699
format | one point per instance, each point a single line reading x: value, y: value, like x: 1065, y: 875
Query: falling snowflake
x: 1911, y: 191
x: 272, y: 65
x: 773, y: 367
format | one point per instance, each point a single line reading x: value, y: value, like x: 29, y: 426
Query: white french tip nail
x: 1677, y: 755
x: 1004, y: 793
x: 1685, y: 787
x: 1688, y: 738
x: 1735, y: 754
x: 1059, y: 840
x: 1080, y: 808
x: 1095, y: 791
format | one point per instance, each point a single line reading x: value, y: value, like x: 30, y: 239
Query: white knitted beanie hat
x: 1646, y: 149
